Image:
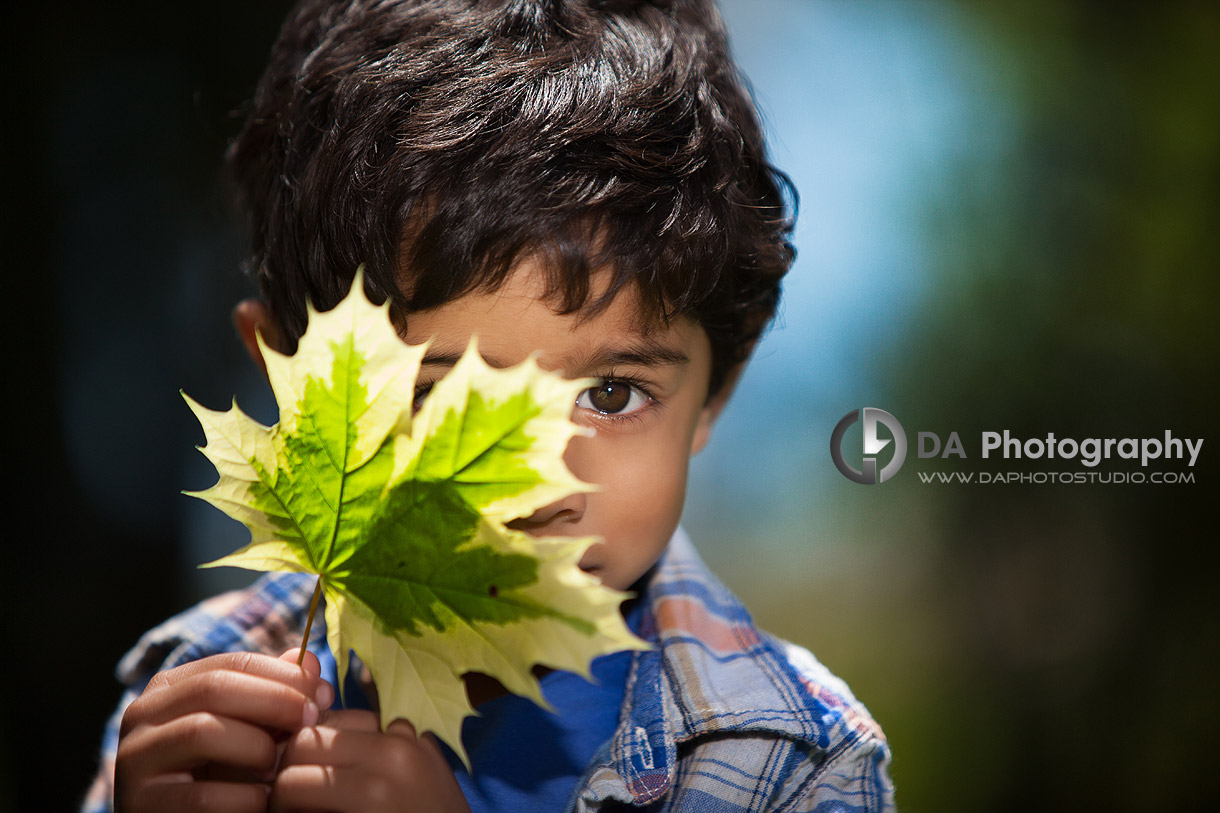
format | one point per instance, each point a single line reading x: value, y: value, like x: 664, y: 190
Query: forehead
x: 519, y: 318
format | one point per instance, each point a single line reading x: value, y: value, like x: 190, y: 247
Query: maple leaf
x: 402, y: 516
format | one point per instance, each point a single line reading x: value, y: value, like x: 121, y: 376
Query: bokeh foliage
x: 1049, y: 647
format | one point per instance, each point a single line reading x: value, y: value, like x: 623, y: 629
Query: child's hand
x: 346, y: 763
x: 203, y: 736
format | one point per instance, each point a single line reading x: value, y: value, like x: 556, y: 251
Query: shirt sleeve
x: 854, y: 780
x: 100, y: 798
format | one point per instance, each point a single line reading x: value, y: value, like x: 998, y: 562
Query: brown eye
x: 612, y: 398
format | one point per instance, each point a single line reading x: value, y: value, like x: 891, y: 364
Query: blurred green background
x: 1009, y: 221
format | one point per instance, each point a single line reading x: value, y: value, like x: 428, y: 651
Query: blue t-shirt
x: 525, y: 759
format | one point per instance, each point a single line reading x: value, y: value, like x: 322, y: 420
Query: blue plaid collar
x: 712, y: 672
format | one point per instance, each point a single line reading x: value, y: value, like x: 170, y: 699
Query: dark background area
x: 122, y: 259
x: 1024, y: 647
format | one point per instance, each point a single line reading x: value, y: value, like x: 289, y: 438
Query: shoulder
x: 756, y: 722
x: 829, y: 692
x: 848, y: 770
x: 266, y: 617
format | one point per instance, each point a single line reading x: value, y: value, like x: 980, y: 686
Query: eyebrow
x: 643, y: 354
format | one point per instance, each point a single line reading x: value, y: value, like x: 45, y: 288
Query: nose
x: 552, y: 518
x: 557, y: 518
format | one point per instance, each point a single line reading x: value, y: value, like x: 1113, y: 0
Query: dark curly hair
x: 436, y: 141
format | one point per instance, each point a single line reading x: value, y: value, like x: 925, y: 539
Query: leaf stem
x: 313, y: 608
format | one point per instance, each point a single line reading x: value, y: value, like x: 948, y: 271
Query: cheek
x: 643, y: 486
x: 656, y: 491
x: 640, y: 478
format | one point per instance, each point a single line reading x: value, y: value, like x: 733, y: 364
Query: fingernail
x: 325, y: 695
x: 310, y: 715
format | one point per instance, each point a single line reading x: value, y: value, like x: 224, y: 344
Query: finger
x: 434, y: 757
x: 381, y: 754
x: 193, y: 740
x: 251, y: 663
x: 227, y: 693
x: 342, y: 789
x: 215, y: 797
x: 341, y: 737
x: 324, y: 693
x: 313, y: 787
x: 402, y: 728
x: 309, y: 662
x: 323, y: 745
x: 350, y: 720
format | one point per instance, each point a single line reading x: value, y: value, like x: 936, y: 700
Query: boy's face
x: 650, y: 410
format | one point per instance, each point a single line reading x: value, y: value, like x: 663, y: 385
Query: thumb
x: 309, y: 663
x: 324, y: 693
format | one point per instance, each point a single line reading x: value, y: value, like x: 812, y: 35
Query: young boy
x: 585, y: 180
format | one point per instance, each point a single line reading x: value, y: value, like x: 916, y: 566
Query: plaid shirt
x: 719, y: 717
